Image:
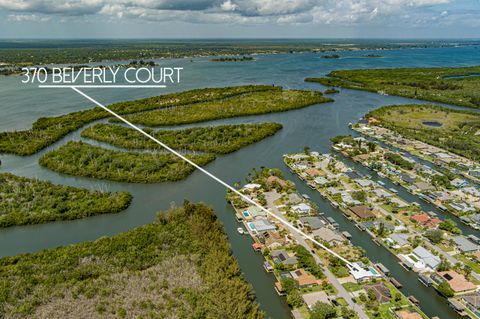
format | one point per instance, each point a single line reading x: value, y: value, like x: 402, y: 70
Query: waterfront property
x: 307, y: 275
x: 422, y: 243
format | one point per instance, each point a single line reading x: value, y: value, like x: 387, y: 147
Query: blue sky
x: 240, y: 18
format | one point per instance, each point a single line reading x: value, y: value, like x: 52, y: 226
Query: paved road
x: 342, y: 292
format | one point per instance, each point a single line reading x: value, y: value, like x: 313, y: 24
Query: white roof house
x: 430, y: 259
x: 252, y: 186
x: 360, y: 272
x: 302, y: 208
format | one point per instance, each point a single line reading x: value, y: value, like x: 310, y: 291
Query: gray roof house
x: 281, y: 256
x: 312, y: 222
x: 427, y: 257
x: 464, y: 244
x: 400, y: 239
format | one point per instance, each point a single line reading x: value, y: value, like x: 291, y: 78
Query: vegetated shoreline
x: 255, y: 103
x: 48, y: 130
x: 222, y: 139
x: 455, y: 140
x: 430, y: 84
x: 82, y: 159
x: 109, y: 50
x: 26, y: 201
x: 180, y: 264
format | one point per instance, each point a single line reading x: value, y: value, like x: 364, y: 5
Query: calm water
x: 313, y: 126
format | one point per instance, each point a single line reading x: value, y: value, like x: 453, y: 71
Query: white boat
x: 240, y: 230
x: 381, y: 183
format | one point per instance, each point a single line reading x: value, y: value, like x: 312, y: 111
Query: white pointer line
x: 281, y: 220
x: 106, y: 86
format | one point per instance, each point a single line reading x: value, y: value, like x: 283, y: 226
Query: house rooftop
x: 456, y: 281
x: 312, y: 298
x: 362, y: 211
x: 464, y: 244
x: 381, y: 291
x: 312, y: 222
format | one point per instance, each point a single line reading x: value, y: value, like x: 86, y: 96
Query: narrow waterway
x: 312, y: 126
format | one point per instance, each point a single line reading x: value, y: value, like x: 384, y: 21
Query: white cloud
x: 341, y: 12
x: 27, y: 17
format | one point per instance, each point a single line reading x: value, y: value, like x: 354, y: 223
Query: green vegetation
x: 306, y: 260
x: 32, y: 52
x: 217, y: 139
x: 444, y: 289
x: 178, y: 266
x: 397, y: 159
x: 323, y: 310
x: 247, y: 104
x: 450, y: 226
x: 458, y: 133
x: 330, y: 56
x: 445, y: 85
x: 30, y: 201
x: 331, y: 91
x: 82, y: 159
x: 47, y: 130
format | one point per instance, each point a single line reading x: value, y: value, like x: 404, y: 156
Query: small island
x: 330, y: 56
x: 233, y: 59
x: 331, y: 91
x: 83, y: 159
x: 27, y: 201
x: 372, y: 56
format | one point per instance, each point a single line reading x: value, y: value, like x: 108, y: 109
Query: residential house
x: 426, y: 220
x: 472, y: 301
x: 459, y: 183
x: 362, y: 212
x: 303, y: 278
x: 322, y: 181
x: 254, y: 212
x: 423, y: 186
x: 261, y: 225
x: 281, y: 256
x: 408, y: 314
x: 302, y: 208
x: 274, y: 180
x: 313, y: 172
x: 421, y: 259
x: 329, y: 236
x: 360, y: 272
x: 407, y: 179
x: 312, y: 222
x: 464, y: 245
x: 398, y: 240
x: 381, y: 193
x: 312, y: 298
x: 273, y: 239
x: 398, y: 202
x: 457, y: 282
x: 364, y: 182
x: 462, y: 207
x: 348, y: 199
x: 381, y: 291
x: 352, y: 175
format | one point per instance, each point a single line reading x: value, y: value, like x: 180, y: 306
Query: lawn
x: 352, y: 286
